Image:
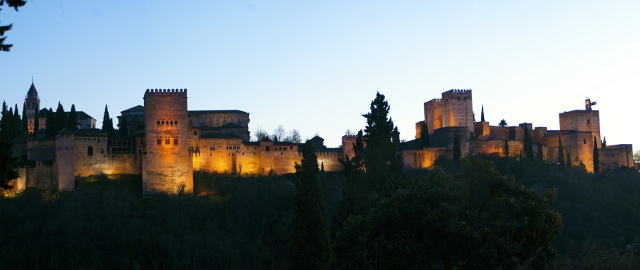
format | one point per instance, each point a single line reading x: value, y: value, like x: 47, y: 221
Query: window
x: 167, y: 141
x: 176, y: 122
x: 159, y: 141
x: 171, y: 123
x: 101, y: 150
x: 588, y: 121
x: 90, y: 151
x: 175, y: 141
x: 585, y: 141
x: 195, y: 132
x: 158, y: 122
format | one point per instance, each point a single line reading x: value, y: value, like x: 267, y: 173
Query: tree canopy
x: 15, y: 4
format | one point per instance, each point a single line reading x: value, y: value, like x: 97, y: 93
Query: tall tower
x: 166, y: 166
x: 457, y: 109
x: 32, y: 105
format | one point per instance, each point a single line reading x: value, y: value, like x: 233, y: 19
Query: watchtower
x: 166, y: 166
x: 457, y: 108
x: 583, y: 120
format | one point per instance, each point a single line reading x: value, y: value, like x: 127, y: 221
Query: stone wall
x: 433, y: 114
x: 457, y: 109
x: 615, y: 156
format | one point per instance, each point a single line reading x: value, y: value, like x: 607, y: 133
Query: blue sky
x: 316, y: 65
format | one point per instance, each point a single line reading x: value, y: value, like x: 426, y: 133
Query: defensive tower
x: 167, y: 165
x: 433, y: 114
x: 583, y: 120
x: 457, y: 108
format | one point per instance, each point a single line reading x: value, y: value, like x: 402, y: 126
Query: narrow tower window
x: 90, y: 151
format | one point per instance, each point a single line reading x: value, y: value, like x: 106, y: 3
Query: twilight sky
x: 316, y: 65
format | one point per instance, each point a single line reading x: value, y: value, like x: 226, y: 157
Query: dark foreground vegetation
x: 475, y: 213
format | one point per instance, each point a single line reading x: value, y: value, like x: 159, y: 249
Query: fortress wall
x: 347, y: 145
x: 500, y: 133
x: 424, y: 158
x: 419, y: 126
x: 167, y: 165
x: 582, y: 120
x: 331, y: 161
x: 284, y: 161
x: 42, y: 175
x: 486, y: 147
x: 537, y: 134
x: 577, y: 144
x: 65, y: 162
x: 19, y: 184
x: 433, y: 114
x: 443, y: 137
x: 516, y: 133
x: 614, y: 156
x: 482, y: 128
x: 457, y: 109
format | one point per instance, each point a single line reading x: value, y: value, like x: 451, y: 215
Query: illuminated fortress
x: 165, y: 143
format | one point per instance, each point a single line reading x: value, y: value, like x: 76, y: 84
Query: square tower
x: 457, y: 109
x: 433, y: 114
x: 582, y: 120
x: 166, y: 166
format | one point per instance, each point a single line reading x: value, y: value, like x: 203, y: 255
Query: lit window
x: 175, y: 141
x: 159, y: 141
x: 167, y: 141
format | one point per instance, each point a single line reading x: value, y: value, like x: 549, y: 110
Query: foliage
x: 457, y: 152
x: 506, y: 148
x: 309, y: 245
x: 424, y: 136
x: 15, y: 4
x: 528, y: 146
x: 560, y: 154
x: 636, y: 156
x: 261, y: 135
x: 107, y: 123
x: 60, y: 119
x: 503, y: 123
x: 9, y: 127
x: 25, y: 124
x: 7, y: 173
x: 72, y: 119
x: 50, y: 124
x: 482, y: 114
x: 475, y: 220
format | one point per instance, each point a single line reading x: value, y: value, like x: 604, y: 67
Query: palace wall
x: 582, y: 120
x: 615, y: 156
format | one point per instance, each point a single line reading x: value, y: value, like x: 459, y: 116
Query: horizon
x: 316, y: 67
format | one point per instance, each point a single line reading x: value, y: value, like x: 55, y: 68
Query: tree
x: 560, y: 154
x: 309, y: 246
x: 294, y: 136
x: 479, y: 219
x: 502, y: 123
x: 457, y: 152
x: 72, y: 119
x: 36, y: 121
x: 569, y: 160
x: 261, y: 135
x: 604, y: 142
x: 7, y: 173
x: 60, y: 119
x: 482, y: 114
x: 6, y: 123
x: 107, y: 123
x: 528, y: 146
x: 636, y: 156
x: 424, y: 136
x: 25, y: 120
x: 506, y: 148
x: 596, y: 158
x: 278, y: 134
x: 17, y: 126
x: 50, y: 124
x: 15, y: 4
x: 540, y: 153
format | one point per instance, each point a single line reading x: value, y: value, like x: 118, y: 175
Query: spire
x: 32, y: 93
x: 482, y: 114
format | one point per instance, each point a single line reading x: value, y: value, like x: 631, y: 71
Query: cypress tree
x: 309, y: 247
x: 604, y: 142
x: 596, y: 158
x: 7, y: 173
x: 482, y: 114
x: 50, y: 125
x: 17, y: 122
x: 506, y: 148
x: 540, y: 154
x: 569, y: 160
x: 528, y: 146
x: 36, y: 122
x: 25, y: 120
x: 560, y: 154
x: 457, y: 152
x: 60, y: 119
x: 72, y: 119
x: 424, y: 136
x: 107, y: 123
x: 5, y: 123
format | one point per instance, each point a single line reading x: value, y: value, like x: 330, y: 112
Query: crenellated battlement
x: 162, y: 92
x: 459, y: 91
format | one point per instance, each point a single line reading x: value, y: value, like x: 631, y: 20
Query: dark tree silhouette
x: 60, y: 119
x: 457, y: 152
x: 596, y: 157
x: 560, y: 154
x: 15, y: 4
x: 502, y: 123
x: 309, y: 247
x: 72, y: 119
x: 482, y: 114
x: 424, y: 136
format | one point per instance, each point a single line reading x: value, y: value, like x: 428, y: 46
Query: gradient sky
x: 316, y: 65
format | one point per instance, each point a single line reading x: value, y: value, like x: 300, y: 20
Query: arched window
x: 267, y: 148
x: 90, y: 151
x: 158, y: 122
